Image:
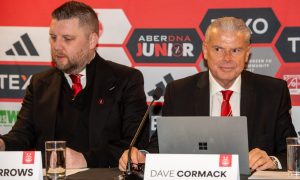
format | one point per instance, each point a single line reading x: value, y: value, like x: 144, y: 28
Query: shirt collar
x: 82, y: 73
x: 83, y: 76
x: 215, y: 87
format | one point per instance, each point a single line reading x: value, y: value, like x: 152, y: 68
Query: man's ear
x: 94, y: 37
x: 248, y: 54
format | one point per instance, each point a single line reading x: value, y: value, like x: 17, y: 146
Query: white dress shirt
x: 216, y: 96
x: 216, y: 99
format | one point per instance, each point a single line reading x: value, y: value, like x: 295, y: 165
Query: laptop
x: 205, y: 135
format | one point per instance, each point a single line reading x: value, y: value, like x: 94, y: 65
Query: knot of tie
x: 226, y: 95
x: 76, y: 87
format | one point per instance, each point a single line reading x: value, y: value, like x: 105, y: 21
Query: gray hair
x: 229, y: 24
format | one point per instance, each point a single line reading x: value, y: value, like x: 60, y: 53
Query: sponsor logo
x: 153, y: 76
x: 23, y: 47
x: 225, y: 160
x: 202, y: 145
x: 288, y: 44
x: 263, y: 61
x: 168, y: 78
x: 153, y: 123
x: 8, y: 118
x: 14, y: 79
x: 25, y: 44
x: 164, y: 45
x: 28, y: 157
x: 262, y: 21
x: 293, y: 82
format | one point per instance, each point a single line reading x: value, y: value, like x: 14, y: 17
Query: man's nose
x: 57, y: 44
x: 227, y: 55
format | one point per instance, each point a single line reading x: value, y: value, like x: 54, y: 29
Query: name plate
x: 21, y: 165
x: 191, y: 166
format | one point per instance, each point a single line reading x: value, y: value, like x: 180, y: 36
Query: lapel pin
x: 101, y: 101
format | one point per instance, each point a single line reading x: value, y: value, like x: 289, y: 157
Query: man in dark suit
x: 264, y: 100
x: 96, y: 113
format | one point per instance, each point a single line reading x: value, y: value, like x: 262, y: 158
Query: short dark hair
x: 74, y: 9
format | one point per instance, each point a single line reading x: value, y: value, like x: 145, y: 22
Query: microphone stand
x: 135, y: 174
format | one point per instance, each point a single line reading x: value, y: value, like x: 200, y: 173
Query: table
x: 104, y: 174
x: 112, y: 174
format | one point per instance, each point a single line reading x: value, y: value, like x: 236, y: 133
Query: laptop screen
x: 204, y: 135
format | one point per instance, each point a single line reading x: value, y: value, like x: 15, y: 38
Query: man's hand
x: 2, y: 145
x: 136, y: 157
x: 74, y: 159
x: 259, y: 160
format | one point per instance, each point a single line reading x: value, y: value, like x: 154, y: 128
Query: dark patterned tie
x: 76, y: 87
x: 225, y: 107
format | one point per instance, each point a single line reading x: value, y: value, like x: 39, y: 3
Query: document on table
x: 74, y: 171
x: 272, y: 175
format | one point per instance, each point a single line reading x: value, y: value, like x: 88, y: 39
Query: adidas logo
x: 168, y: 78
x: 24, y: 47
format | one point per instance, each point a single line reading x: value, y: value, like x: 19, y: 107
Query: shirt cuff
x: 2, y: 144
x: 144, y: 152
x: 276, y: 162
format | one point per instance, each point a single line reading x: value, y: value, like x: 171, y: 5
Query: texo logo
x: 14, y: 79
x: 288, y: 44
x: 261, y: 21
x: 164, y: 46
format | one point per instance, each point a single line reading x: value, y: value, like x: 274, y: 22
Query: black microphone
x: 130, y: 174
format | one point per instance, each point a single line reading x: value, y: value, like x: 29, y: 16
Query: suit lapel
x: 104, y: 86
x: 49, y: 102
x: 248, y: 101
x: 201, y: 94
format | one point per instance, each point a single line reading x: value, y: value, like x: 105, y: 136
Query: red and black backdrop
x: 162, y: 38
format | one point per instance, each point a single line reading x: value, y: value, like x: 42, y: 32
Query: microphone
x: 131, y: 174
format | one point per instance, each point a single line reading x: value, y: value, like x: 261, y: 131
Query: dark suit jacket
x: 111, y: 124
x: 265, y: 101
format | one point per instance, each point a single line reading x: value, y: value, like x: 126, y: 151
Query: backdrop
x: 162, y: 38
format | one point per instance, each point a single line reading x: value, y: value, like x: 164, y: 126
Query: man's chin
x: 62, y: 67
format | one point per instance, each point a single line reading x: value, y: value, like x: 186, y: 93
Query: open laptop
x: 205, y: 135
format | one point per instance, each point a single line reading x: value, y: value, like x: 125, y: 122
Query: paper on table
x: 69, y: 171
x: 73, y: 171
x: 272, y: 175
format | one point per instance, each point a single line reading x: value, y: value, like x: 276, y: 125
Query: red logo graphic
x: 28, y: 157
x: 293, y: 81
x: 225, y: 160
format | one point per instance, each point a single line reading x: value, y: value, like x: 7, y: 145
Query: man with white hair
x: 227, y: 89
